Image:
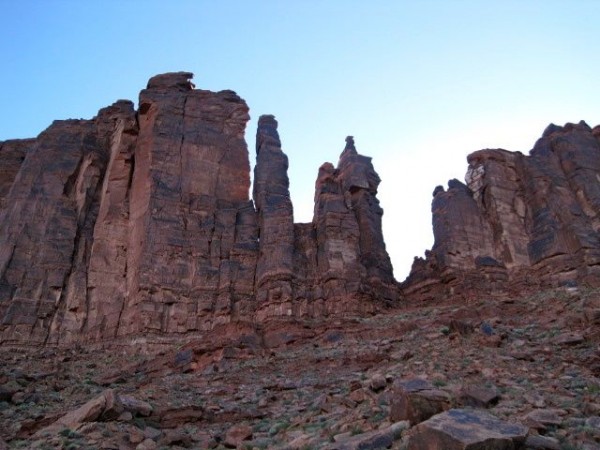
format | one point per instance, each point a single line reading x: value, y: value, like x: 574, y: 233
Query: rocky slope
x: 177, y: 312
x: 533, y: 362
x: 519, y: 222
x: 139, y: 223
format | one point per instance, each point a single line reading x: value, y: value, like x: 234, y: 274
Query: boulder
x: 372, y: 440
x: 542, y: 442
x: 540, y: 418
x: 236, y: 435
x: 135, y: 406
x: 177, y: 416
x: 478, y: 396
x: 416, y: 400
x: 106, y: 406
x: 461, y: 429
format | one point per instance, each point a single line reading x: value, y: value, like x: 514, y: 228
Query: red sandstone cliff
x: 518, y: 222
x: 140, y: 222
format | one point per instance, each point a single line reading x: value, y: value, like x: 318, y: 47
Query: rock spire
x: 139, y: 223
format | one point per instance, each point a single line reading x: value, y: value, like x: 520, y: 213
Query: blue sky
x: 419, y: 84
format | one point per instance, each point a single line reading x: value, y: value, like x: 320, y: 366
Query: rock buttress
x: 46, y: 229
x: 520, y: 222
x: 193, y: 233
x: 88, y: 312
x: 140, y: 223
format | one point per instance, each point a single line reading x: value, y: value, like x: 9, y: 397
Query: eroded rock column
x: 271, y: 194
x: 351, y: 255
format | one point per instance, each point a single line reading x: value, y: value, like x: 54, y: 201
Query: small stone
x: 536, y: 400
x: 461, y: 327
x: 592, y: 315
x: 137, y: 407
x: 183, y: 359
x: 372, y: 440
x: 111, y: 444
x: 125, y: 416
x: 175, y: 437
x: 494, y: 340
x: 546, y: 416
x: 402, y: 355
x: 487, y: 329
x: 203, y: 440
x: 357, y: 396
x: 18, y: 398
x: 299, y: 442
x: 152, y: 433
x: 342, y: 436
x: 236, y: 435
x: 478, y: 396
x: 136, y: 436
x: 377, y: 383
x: 536, y: 442
x: 147, y: 444
x: 593, y: 422
x: 569, y: 339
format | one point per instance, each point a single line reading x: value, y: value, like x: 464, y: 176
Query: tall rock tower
x: 139, y: 223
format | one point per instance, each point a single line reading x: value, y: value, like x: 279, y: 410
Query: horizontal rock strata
x: 141, y: 222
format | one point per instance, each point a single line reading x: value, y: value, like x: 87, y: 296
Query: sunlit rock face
x: 140, y: 223
x: 520, y: 221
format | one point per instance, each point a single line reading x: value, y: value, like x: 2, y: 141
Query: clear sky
x: 419, y: 84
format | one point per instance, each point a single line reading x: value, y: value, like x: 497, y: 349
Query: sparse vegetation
x: 315, y: 392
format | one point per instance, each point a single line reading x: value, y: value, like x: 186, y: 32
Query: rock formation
x: 275, y: 265
x: 141, y: 222
x: 348, y: 219
x: 518, y: 222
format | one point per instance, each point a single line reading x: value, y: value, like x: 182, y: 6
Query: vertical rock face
x: 351, y: 253
x: 99, y: 264
x: 275, y: 266
x: 141, y: 222
x: 107, y: 266
x: 191, y: 222
x: 523, y: 219
x: 461, y: 230
x: 46, y: 226
x: 338, y: 263
x: 12, y: 154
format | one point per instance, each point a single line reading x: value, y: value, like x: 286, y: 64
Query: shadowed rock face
x: 275, y: 268
x: 12, y: 154
x: 522, y: 220
x: 141, y: 222
x: 350, y: 249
